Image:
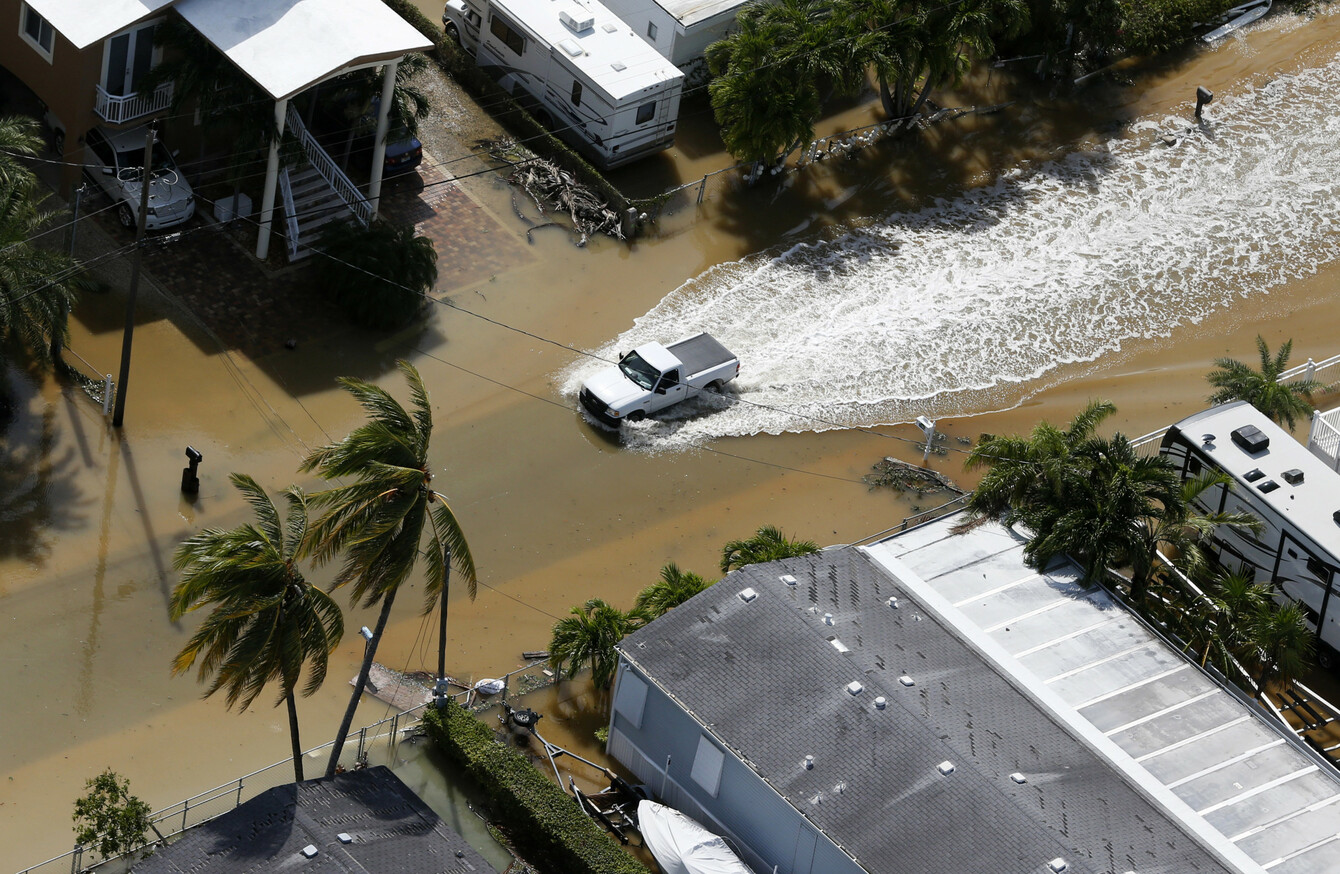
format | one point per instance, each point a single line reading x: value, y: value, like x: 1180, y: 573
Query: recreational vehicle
x: 1293, y: 492
x: 578, y: 68
x: 681, y: 30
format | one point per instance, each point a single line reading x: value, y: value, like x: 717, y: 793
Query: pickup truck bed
x: 700, y: 353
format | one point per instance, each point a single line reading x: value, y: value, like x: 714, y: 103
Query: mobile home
x: 1293, y: 492
x: 579, y: 68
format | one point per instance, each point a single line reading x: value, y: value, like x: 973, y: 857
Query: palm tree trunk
x: 369, y: 652
x: 293, y: 735
x: 442, y: 622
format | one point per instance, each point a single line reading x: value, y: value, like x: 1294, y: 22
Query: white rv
x: 1293, y: 492
x: 579, y: 69
x: 681, y: 30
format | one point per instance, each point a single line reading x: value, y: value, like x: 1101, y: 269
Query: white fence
x: 324, y: 164
x: 1324, y: 440
x: 121, y: 108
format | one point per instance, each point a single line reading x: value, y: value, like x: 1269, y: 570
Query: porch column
x: 379, y: 145
x: 271, y: 180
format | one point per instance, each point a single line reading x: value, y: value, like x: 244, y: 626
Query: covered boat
x: 682, y: 846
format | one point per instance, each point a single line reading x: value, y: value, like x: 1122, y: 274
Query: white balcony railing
x: 326, y: 166
x: 120, y: 109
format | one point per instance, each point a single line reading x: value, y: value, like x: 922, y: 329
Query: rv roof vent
x: 1250, y: 438
x: 619, y: 66
x: 1335, y: 517
x: 1207, y: 439
x: 1058, y: 865
x: 575, y: 24
x: 1292, y: 477
x: 609, y: 27
x: 1268, y: 486
x: 570, y: 47
x: 855, y: 687
x: 1253, y: 475
x: 946, y: 767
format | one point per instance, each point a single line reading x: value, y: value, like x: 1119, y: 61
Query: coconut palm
x: 767, y: 544
x: 37, y: 285
x: 19, y: 136
x: 1283, y: 644
x: 674, y: 588
x: 379, y: 275
x: 1282, y: 403
x: 378, y: 521
x: 587, y: 637
x: 267, y: 621
x: 1237, y: 600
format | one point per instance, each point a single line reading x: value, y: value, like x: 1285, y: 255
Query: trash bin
x: 224, y: 211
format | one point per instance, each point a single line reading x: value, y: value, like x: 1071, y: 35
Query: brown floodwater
x: 556, y: 511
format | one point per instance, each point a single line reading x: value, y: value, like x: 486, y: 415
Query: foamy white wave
x: 956, y: 307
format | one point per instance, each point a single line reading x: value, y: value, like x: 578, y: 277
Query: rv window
x: 576, y: 93
x: 515, y: 41
x: 1318, y: 569
x: 1193, y: 465
x: 651, y: 30
x: 645, y: 112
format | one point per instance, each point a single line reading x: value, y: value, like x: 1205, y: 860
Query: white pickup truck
x: 652, y: 377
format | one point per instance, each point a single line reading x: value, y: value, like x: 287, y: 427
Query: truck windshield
x: 639, y: 371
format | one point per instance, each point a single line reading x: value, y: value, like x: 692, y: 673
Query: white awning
x: 286, y: 46
x: 84, y: 22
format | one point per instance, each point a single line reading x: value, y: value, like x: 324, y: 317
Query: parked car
x: 115, y: 160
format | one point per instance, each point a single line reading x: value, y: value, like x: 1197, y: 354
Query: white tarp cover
x: 682, y: 846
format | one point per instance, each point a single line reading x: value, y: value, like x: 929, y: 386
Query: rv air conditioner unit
x: 1250, y: 438
x: 575, y: 24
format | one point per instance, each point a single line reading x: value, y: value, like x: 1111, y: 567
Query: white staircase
x: 310, y: 203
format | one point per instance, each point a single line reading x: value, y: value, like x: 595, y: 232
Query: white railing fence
x: 118, y: 109
x: 1324, y: 439
x: 290, y: 213
x: 324, y: 164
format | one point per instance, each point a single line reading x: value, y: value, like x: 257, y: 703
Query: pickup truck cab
x: 653, y: 377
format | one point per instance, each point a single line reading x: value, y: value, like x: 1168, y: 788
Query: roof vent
x: 880, y: 703
x: 747, y: 595
x: 1268, y: 486
x: 946, y: 767
x: 310, y: 851
x: 1335, y: 517
x: 906, y: 680
x: 838, y: 645
x: 893, y: 602
x: 1292, y: 477
x: 788, y: 579
x: 1207, y: 439
x: 1253, y: 475
x: 609, y: 27
x: 828, y: 619
x: 809, y: 763
x: 619, y: 66
x: 570, y: 47
x: 575, y: 24
x: 1058, y: 865
x: 855, y: 687
x: 1250, y: 438
x: 1018, y: 778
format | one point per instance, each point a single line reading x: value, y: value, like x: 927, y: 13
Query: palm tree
x: 1027, y: 475
x: 37, y: 285
x: 587, y: 637
x: 380, y: 275
x: 19, y: 135
x: 378, y: 521
x: 267, y: 621
x: 674, y: 588
x: 1238, y: 600
x: 767, y: 544
x: 1282, y: 403
x: 351, y: 97
x: 1283, y: 643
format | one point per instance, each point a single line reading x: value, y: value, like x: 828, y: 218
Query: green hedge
x: 541, y: 819
x: 510, y: 114
x: 1153, y: 26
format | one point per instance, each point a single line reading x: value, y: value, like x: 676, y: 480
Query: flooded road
x: 1199, y: 247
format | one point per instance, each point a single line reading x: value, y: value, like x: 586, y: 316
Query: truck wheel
x: 1325, y: 656
x: 715, y: 386
x: 637, y: 416
x: 126, y: 216
x: 453, y: 34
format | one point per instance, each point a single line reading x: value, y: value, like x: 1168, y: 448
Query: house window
x: 707, y: 766
x: 513, y: 40
x: 651, y: 31
x: 37, y: 32
x: 631, y: 698
x: 576, y: 93
x: 646, y: 112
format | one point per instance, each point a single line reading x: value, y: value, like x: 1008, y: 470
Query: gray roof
x: 768, y: 679
x: 391, y: 830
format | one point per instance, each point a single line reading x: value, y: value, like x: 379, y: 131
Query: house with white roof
x: 82, y: 58
x: 931, y: 703
x: 681, y: 30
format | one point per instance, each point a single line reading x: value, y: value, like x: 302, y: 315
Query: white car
x: 116, y: 162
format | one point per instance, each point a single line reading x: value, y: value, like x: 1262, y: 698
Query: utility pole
x: 440, y: 688
x: 119, y: 414
x: 58, y: 330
